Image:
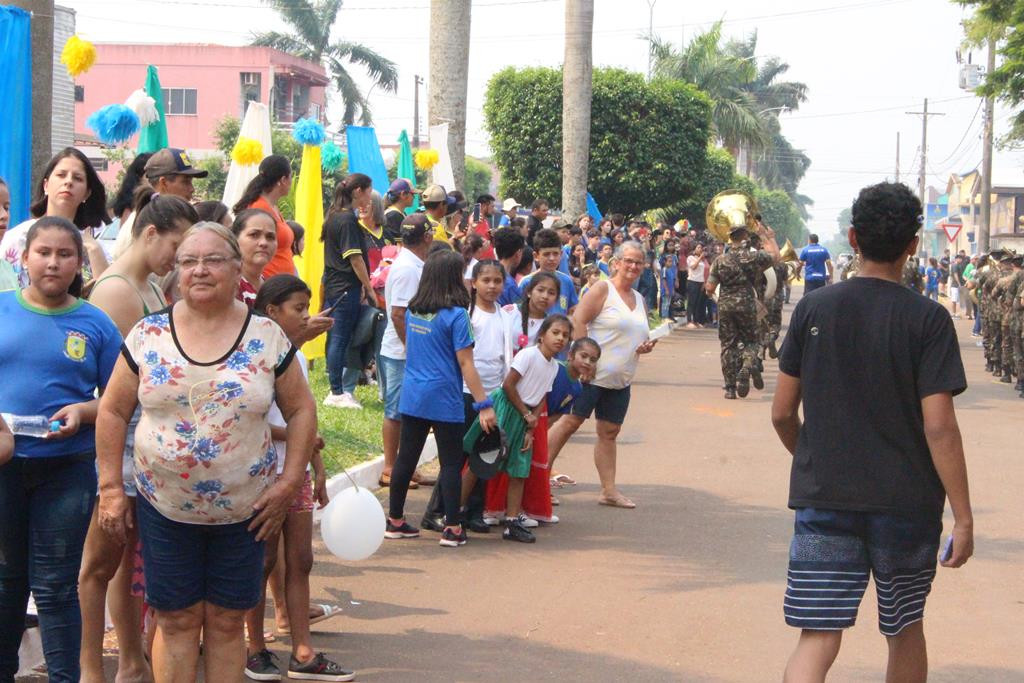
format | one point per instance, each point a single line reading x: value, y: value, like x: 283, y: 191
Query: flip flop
x: 560, y: 480
x: 329, y: 612
x: 269, y: 637
x: 423, y: 479
x: 618, y: 502
x: 385, y: 481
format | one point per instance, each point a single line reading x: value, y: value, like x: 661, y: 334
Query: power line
x: 871, y: 111
x: 966, y: 132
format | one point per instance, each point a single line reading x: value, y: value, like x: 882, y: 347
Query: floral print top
x: 203, y: 452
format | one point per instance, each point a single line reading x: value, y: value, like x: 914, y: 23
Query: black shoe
x: 730, y: 392
x: 402, y: 531
x: 263, y: 666
x: 432, y: 523
x: 988, y: 367
x: 514, y: 531
x: 743, y: 383
x: 318, y: 669
x: 773, y: 351
x: 1006, y: 378
x: 450, y: 539
x: 757, y: 379
x: 477, y: 525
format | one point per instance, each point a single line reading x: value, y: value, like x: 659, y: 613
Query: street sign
x: 952, y: 230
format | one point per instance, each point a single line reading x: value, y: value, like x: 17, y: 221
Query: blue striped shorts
x: 835, y: 552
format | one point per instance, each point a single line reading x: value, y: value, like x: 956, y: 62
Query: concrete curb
x: 367, y: 474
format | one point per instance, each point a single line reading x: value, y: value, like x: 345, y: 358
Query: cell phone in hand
x: 476, y: 214
x: 947, y: 550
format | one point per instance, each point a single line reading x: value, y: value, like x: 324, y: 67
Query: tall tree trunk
x: 577, y: 88
x: 449, y: 77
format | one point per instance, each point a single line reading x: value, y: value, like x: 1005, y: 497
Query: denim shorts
x: 833, y: 555
x: 610, y: 405
x: 189, y: 563
x: 390, y: 376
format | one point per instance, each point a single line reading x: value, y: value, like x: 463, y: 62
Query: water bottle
x: 30, y: 425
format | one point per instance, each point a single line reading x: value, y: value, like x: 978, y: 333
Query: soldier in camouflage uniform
x: 760, y: 289
x: 736, y: 271
x: 775, y: 309
x: 1003, y: 293
x: 912, y: 277
x: 993, y: 339
x: 1015, y: 291
x: 853, y: 268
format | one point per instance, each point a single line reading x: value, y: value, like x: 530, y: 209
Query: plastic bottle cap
x: 55, y: 426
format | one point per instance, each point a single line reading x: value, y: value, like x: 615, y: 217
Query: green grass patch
x: 350, y: 436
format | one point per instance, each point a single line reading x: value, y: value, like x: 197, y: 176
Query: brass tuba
x: 789, y: 256
x: 730, y: 209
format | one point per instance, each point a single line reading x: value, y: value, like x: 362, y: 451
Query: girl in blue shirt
x: 56, y: 350
x: 439, y: 355
x: 931, y: 289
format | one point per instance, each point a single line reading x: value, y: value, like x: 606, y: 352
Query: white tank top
x: 618, y: 330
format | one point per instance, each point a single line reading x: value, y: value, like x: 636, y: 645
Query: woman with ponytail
x: 271, y: 184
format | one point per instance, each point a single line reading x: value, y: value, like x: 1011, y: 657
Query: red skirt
x: 537, y: 493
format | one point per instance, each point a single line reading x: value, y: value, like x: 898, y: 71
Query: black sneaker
x: 743, y: 383
x: 263, y: 666
x: 432, y: 523
x: 757, y: 379
x: 450, y: 539
x: 515, y: 531
x: 318, y: 669
x: 477, y: 525
x: 402, y: 531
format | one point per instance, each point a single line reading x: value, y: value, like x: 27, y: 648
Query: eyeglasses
x: 632, y: 262
x: 212, y: 262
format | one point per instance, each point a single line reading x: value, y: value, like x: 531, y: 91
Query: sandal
x: 423, y: 479
x: 385, y: 481
x: 619, y: 501
x: 327, y: 612
x: 560, y: 480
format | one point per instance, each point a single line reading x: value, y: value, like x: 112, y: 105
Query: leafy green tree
x: 648, y: 141
x: 718, y: 175
x: 779, y: 212
x: 311, y: 22
x: 478, y: 179
x: 212, y: 186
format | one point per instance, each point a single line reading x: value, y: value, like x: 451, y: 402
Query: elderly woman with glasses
x: 614, y: 315
x: 205, y: 372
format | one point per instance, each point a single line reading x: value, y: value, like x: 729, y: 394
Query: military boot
x: 1007, y: 378
x: 743, y: 382
x: 730, y: 393
x: 988, y: 366
x: 773, y: 351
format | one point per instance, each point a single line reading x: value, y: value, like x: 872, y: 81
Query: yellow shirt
x: 440, y: 234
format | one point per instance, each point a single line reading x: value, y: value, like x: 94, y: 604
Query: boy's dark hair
x: 525, y: 266
x: 507, y: 242
x: 549, y: 322
x: 485, y: 199
x: 537, y: 203
x: 437, y: 246
x: 812, y: 238
x: 575, y: 230
x: 518, y: 222
x: 524, y: 305
x: 299, y: 233
x: 546, y: 238
x: 886, y: 219
x: 617, y: 219
x: 441, y: 285
x: 276, y: 290
x: 584, y: 341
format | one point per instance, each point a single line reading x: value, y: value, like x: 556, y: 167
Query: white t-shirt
x: 276, y: 419
x: 488, y: 349
x: 468, y: 275
x: 538, y: 374
x: 695, y: 269
x: 403, y: 281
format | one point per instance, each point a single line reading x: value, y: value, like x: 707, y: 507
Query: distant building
x: 201, y: 85
x: 1006, y: 212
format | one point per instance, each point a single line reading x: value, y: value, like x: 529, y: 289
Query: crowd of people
x: 496, y: 334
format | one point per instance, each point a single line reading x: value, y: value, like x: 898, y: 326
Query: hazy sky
x: 866, y: 62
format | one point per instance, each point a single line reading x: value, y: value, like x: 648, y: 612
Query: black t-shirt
x: 343, y: 238
x: 533, y: 224
x: 393, y: 218
x: 866, y: 352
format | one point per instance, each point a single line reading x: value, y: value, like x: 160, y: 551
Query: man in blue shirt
x: 816, y: 265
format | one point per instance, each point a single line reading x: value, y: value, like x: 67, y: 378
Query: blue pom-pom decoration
x: 308, y: 132
x: 113, y: 123
x: 331, y: 157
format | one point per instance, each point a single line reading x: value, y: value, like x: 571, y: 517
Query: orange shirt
x: 282, y: 261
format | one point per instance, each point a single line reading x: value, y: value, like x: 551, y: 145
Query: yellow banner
x: 309, y: 212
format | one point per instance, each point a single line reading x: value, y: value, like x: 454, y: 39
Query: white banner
x: 256, y: 125
x: 442, y: 173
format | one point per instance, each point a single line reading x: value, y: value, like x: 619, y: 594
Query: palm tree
x: 724, y: 77
x: 311, y: 22
x: 577, y: 89
x: 449, y: 76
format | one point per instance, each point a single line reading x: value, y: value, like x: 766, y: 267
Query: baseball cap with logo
x: 414, y: 225
x: 435, y: 193
x: 401, y: 185
x: 172, y: 161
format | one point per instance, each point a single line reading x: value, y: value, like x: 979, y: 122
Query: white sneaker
x: 527, y: 522
x: 553, y: 519
x: 345, y: 400
x: 492, y: 521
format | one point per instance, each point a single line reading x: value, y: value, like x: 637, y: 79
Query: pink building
x: 202, y: 84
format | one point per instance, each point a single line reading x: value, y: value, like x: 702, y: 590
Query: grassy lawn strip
x: 351, y: 436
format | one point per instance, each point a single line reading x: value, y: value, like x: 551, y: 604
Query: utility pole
x: 986, y: 159
x: 924, y: 148
x: 897, y: 156
x: 650, y: 36
x: 416, y: 112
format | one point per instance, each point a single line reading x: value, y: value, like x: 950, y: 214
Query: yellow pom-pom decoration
x: 426, y: 159
x: 247, y: 151
x: 78, y: 55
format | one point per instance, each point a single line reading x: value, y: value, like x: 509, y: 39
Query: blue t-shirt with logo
x: 511, y: 294
x: 814, y: 257
x: 432, y: 387
x: 49, y: 360
x: 564, y: 391
x: 567, y: 296
x: 933, y: 279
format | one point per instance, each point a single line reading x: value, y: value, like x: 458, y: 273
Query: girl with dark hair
x: 271, y: 184
x: 214, y: 211
x: 346, y: 278
x: 126, y: 293
x: 69, y: 188
x: 298, y: 237
x: 256, y: 232
x: 542, y: 290
x: 56, y: 351
x: 439, y: 345
x: 125, y: 197
x: 471, y: 247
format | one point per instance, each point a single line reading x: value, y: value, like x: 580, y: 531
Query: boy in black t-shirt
x: 876, y: 367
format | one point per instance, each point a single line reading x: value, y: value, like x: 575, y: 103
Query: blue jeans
x: 977, y: 321
x: 346, y: 317
x: 45, y: 508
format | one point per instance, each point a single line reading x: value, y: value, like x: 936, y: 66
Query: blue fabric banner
x: 16, y: 109
x: 364, y: 156
x: 592, y: 209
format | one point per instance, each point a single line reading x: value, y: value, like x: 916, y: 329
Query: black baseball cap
x: 489, y: 453
x: 414, y: 225
x: 172, y: 161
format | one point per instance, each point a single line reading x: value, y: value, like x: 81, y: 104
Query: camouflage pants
x: 1017, y: 344
x: 737, y: 331
x: 774, y: 321
x: 1005, y: 342
x: 994, y: 340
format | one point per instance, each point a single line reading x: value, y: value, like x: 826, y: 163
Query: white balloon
x: 352, y: 526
